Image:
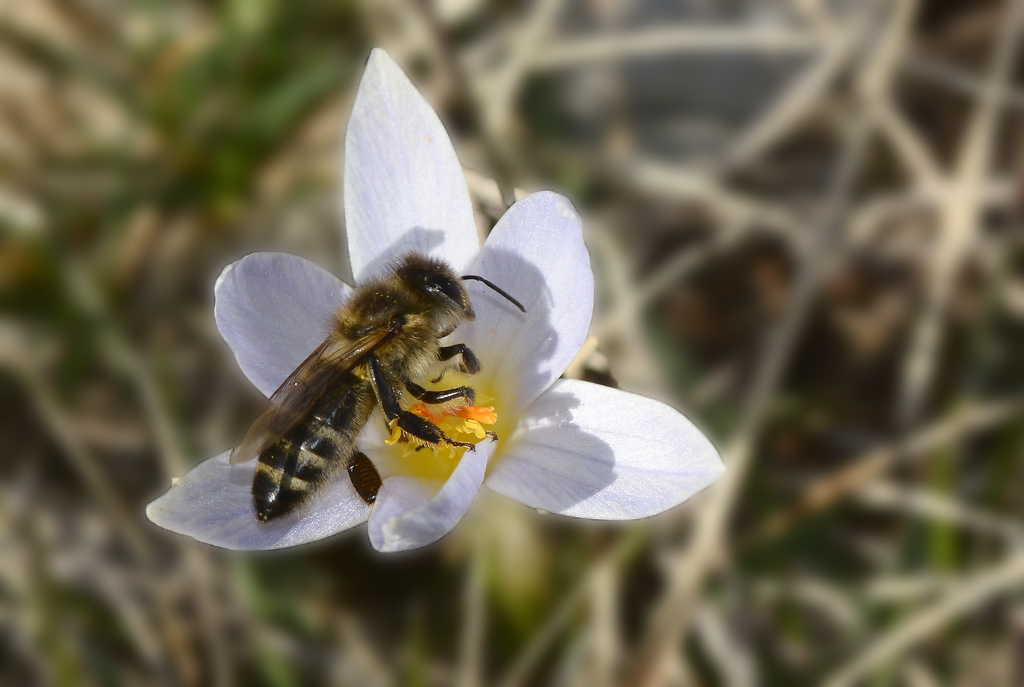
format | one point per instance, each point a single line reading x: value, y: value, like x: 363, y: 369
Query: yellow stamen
x: 464, y: 420
x: 396, y: 433
x: 461, y: 423
x: 475, y: 428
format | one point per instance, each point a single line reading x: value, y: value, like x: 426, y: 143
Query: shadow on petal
x: 552, y: 463
x: 213, y: 504
x: 515, y: 349
x: 415, y: 240
x: 594, y: 452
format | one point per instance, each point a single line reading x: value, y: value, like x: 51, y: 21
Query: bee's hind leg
x: 442, y: 395
x: 469, y: 364
x: 426, y: 431
x: 415, y: 426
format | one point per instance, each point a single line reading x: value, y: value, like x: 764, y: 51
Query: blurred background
x: 805, y: 221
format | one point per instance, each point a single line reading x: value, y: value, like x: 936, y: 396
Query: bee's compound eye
x: 444, y: 284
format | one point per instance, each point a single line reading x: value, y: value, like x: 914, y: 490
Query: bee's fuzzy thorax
x: 418, y: 287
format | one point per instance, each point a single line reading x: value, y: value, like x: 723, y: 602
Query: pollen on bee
x: 465, y: 420
x: 396, y: 433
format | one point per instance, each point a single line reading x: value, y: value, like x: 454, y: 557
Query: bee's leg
x: 426, y: 431
x: 469, y: 364
x: 365, y: 478
x: 441, y: 396
x: 410, y: 423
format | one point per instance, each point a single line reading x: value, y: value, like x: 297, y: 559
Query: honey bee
x: 382, y: 341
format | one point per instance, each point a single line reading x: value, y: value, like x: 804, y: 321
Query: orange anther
x: 483, y: 414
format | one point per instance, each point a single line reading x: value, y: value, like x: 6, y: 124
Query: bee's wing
x: 324, y: 367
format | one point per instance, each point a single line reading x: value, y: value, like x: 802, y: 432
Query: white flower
x: 565, y: 446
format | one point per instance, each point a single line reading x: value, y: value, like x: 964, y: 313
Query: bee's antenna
x: 509, y: 298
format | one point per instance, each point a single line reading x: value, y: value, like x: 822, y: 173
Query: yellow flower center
x: 460, y: 422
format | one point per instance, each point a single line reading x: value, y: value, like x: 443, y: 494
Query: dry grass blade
x: 604, y: 641
x: 674, y: 41
x: 61, y: 429
x: 474, y: 618
x: 496, y: 92
x: 962, y: 82
x: 733, y: 660
x: 804, y: 94
x: 868, y: 467
x: 875, y: 85
x: 562, y: 614
x: 960, y: 219
x: 935, y: 506
x: 965, y: 597
x: 699, y: 187
x: 667, y: 628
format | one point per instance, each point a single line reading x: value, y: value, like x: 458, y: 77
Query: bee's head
x: 437, y: 285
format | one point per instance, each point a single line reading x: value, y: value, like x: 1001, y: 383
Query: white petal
x: 274, y: 309
x: 411, y: 512
x: 535, y: 253
x: 213, y: 504
x: 593, y: 452
x: 404, y: 187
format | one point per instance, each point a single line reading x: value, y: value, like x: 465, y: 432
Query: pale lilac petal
x: 535, y: 253
x: 411, y: 512
x: 274, y: 309
x: 593, y: 452
x: 404, y: 187
x: 213, y: 504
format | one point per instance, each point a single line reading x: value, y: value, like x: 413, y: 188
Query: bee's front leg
x: 410, y: 423
x: 442, y: 395
x: 469, y: 364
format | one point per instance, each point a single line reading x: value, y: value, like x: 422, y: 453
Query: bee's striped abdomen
x: 294, y: 467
